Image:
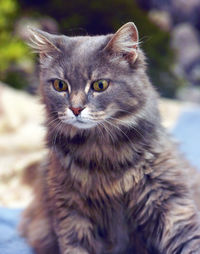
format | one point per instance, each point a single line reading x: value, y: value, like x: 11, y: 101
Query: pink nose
x: 76, y: 111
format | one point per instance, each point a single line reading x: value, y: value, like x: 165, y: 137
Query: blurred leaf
x: 12, y: 50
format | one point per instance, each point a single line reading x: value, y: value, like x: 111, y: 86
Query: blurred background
x: 169, y: 34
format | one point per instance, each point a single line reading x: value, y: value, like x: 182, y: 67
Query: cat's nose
x: 76, y: 111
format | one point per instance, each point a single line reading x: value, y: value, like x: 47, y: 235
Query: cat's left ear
x: 44, y: 43
x: 125, y: 42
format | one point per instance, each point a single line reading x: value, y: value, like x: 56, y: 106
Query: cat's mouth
x: 84, y: 120
x: 79, y: 122
x: 82, y: 124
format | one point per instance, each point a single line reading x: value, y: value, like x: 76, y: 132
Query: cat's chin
x: 83, y: 125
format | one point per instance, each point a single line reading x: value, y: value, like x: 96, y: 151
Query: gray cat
x: 113, y: 182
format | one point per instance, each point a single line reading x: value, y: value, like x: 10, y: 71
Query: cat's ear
x: 125, y: 42
x: 42, y: 42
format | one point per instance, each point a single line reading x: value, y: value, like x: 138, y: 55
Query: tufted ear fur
x: 42, y: 42
x: 125, y: 42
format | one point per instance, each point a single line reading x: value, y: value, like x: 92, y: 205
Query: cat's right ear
x: 42, y: 42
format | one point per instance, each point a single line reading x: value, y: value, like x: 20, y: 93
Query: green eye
x: 60, y: 85
x: 100, y: 85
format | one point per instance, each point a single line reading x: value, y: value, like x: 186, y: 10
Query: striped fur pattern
x: 113, y: 182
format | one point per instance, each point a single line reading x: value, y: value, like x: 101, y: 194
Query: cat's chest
x: 112, y: 228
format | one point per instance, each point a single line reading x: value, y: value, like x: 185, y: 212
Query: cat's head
x: 90, y: 81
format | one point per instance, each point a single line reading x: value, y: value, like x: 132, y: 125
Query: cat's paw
x: 75, y: 250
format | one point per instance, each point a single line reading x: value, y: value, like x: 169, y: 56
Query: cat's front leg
x: 181, y: 229
x: 170, y: 226
x: 76, y: 236
x: 75, y: 231
x: 36, y: 227
x: 75, y: 250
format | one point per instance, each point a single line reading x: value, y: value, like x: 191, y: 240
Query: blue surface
x: 187, y: 132
x: 10, y: 241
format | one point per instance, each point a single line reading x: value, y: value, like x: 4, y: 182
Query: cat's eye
x: 100, y: 85
x: 60, y: 85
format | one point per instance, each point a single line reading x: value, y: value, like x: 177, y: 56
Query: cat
x: 113, y: 182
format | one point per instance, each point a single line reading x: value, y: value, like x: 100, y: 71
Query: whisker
x: 99, y: 129
x: 131, y: 125
x: 119, y: 121
x: 56, y: 129
x: 59, y: 129
x: 49, y: 123
x: 122, y: 110
x: 96, y: 114
x: 107, y: 131
x: 117, y: 127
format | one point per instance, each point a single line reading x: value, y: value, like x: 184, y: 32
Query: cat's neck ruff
x: 94, y: 150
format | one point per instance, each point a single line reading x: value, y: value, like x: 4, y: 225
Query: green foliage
x: 8, y: 10
x: 13, y: 51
